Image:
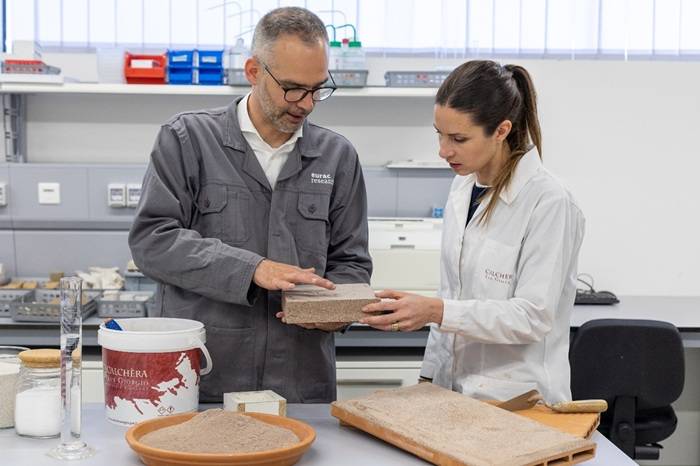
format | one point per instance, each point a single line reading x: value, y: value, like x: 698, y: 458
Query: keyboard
x: 595, y: 297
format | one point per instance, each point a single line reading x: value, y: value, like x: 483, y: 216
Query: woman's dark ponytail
x: 529, y: 124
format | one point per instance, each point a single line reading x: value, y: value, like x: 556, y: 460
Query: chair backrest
x: 621, y: 357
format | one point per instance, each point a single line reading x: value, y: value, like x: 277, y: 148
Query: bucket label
x: 140, y: 386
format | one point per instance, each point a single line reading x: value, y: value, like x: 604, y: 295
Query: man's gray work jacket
x: 208, y: 216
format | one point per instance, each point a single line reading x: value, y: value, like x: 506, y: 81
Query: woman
x: 511, y: 237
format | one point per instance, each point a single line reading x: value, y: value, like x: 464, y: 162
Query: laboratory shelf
x: 164, y: 89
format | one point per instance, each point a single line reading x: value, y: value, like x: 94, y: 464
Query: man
x: 241, y: 202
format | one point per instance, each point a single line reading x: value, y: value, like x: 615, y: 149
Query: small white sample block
x: 264, y: 401
x: 49, y: 193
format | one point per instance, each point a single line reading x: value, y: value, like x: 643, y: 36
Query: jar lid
x: 41, y: 358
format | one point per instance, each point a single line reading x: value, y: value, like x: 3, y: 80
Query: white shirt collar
x: 247, y: 126
x: 528, y: 166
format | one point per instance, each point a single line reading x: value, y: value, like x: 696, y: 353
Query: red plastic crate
x: 155, y: 75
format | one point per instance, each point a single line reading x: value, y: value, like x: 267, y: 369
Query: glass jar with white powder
x: 38, y: 396
x: 9, y: 370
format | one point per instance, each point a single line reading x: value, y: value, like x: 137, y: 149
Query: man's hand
x: 272, y: 276
x: 325, y: 326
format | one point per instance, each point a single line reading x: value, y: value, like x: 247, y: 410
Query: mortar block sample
x: 308, y: 304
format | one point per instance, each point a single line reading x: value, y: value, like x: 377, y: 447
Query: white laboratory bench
x: 335, y: 444
x: 681, y: 311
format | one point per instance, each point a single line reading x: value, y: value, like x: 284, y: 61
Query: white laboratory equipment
x: 234, y: 63
x: 237, y: 55
x: 346, y: 59
x: 335, y: 55
x: 344, y: 47
x: 405, y: 254
x: 354, y: 56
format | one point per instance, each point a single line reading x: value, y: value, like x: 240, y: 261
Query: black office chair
x: 638, y: 367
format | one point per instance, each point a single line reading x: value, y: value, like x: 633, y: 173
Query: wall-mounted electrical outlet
x: 3, y: 194
x: 116, y: 195
x: 49, y: 193
x: 133, y: 194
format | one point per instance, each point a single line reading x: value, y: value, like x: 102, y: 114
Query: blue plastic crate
x: 180, y: 75
x: 181, y: 58
x: 210, y: 59
x: 211, y: 76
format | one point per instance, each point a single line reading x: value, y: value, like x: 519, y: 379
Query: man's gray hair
x: 287, y: 20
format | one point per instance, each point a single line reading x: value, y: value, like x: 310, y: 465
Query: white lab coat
x: 508, y: 289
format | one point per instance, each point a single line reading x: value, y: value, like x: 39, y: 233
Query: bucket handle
x: 207, y: 369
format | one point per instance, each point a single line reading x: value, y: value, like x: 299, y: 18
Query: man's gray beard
x: 274, y: 117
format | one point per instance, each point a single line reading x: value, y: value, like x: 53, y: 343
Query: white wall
x: 621, y: 135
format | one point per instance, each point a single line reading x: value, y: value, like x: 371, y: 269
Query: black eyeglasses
x: 297, y: 94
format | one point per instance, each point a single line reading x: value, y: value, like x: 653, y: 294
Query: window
x: 556, y: 28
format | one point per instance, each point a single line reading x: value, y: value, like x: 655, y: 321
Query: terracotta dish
x: 278, y: 457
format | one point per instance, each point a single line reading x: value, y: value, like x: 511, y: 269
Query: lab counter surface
x: 334, y: 445
x: 681, y: 311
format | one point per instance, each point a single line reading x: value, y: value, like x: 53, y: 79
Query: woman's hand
x: 407, y: 311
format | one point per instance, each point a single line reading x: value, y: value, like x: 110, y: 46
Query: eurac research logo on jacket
x: 321, y: 178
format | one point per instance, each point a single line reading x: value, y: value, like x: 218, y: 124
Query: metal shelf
x: 164, y: 89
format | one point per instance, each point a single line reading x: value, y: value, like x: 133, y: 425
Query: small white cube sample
x: 264, y: 401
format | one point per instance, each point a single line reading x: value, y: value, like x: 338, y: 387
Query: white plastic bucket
x: 151, y: 367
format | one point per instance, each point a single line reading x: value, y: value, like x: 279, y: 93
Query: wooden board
x: 448, y: 428
x: 577, y: 424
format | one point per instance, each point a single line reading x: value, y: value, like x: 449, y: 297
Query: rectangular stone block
x: 308, y: 304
